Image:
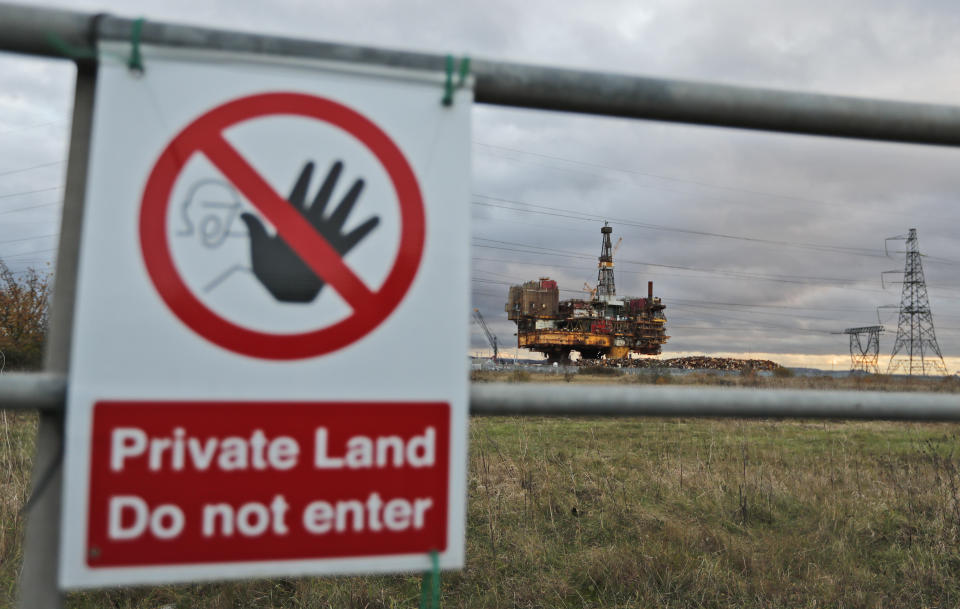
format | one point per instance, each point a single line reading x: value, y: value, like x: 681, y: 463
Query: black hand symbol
x: 277, y: 266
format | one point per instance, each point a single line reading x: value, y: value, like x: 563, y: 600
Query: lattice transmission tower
x: 864, y: 348
x: 915, y: 350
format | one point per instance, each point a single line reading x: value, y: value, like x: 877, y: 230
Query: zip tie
x: 464, y: 71
x: 434, y: 575
x: 448, y: 86
x: 67, y: 50
x: 135, y: 62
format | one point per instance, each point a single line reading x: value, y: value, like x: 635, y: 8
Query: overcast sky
x: 797, y: 223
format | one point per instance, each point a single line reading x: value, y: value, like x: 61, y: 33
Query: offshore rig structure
x: 603, y: 327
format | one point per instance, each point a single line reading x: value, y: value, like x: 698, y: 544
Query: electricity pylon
x: 864, y: 348
x: 915, y: 350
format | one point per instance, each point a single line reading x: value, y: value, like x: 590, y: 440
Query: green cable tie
x: 448, y: 86
x: 464, y: 71
x: 434, y: 575
x: 448, y: 83
x: 67, y: 50
x: 135, y: 62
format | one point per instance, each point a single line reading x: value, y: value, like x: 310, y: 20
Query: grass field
x: 645, y: 513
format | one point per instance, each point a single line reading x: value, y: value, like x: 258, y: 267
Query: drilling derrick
x: 606, y: 289
x: 602, y: 327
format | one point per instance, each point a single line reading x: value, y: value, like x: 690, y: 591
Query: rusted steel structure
x: 603, y: 327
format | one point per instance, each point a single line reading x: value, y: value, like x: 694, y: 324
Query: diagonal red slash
x: 295, y: 230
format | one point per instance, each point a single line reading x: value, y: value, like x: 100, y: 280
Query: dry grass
x: 649, y: 513
x: 16, y: 447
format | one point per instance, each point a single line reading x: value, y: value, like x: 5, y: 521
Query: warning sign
x: 309, y: 240
x: 267, y: 375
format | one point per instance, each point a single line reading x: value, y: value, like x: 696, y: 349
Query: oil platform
x: 602, y: 327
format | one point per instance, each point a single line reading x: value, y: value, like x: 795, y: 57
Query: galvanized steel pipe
x: 26, y: 29
x: 47, y: 392
x: 656, y: 401
x: 32, y: 391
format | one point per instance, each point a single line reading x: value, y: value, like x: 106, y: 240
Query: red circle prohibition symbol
x: 205, y: 136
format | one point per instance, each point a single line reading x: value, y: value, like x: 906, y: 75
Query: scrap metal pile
x: 690, y: 363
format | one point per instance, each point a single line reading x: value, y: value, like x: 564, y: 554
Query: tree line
x: 24, y: 317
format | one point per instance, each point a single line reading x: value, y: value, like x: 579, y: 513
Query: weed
x: 519, y: 376
x: 782, y: 373
x: 600, y: 371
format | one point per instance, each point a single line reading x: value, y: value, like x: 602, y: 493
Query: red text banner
x: 204, y: 482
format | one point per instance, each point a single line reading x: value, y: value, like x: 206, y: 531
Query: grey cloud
x: 778, y: 187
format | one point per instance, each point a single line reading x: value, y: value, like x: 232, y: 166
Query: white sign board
x: 268, y: 370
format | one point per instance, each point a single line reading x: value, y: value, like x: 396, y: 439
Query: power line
x: 29, y: 238
x: 556, y: 266
x: 31, y: 168
x: 654, y: 175
x: 797, y: 279
x: 781, y: 306
x: 753, y: 323
x: 712, y: 312
x: 29, y: 192
x: 712, y: 307
x: 18, y: 255
x: 34, y: 126
x: 574, y: 215
x: 482, y: 293
x: 553, y: 251
x: 10, y: 211
x: 844, y: 283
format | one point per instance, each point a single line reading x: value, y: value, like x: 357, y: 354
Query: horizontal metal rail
x: 47, y: 392
x: 32, y: 391
x: 658, y: 401
x: 28, y: 30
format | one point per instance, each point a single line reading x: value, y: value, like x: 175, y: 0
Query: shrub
x: 519, y: 376
x: 782, y: 373
x: 601, y: 371
x: 23, y: 317
x: 662, y: 378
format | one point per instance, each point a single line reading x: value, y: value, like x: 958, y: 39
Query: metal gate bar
x: 47, y: 392
x: 27, y: 30
x: 659, y: 401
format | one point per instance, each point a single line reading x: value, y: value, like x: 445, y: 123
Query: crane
x: 491, y: 337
